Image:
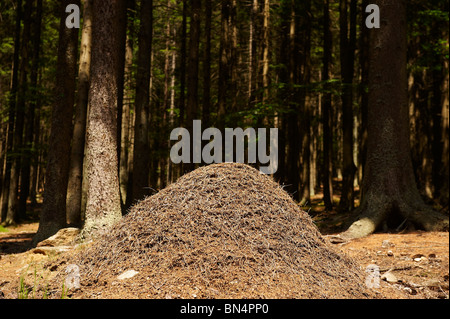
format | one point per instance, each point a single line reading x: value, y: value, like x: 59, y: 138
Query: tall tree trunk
x: 193, y: 66
x: 12, y: 215
x: 265, y: 51
x: 293, y: 131
x: 103, y: 207
x: 253, y: 67
x: 437, y: 147
x: 363, y: 61
x: 141, y: 156
x: 444, y: 191
x: 11, y: 113
x: 53, y: 214
x: 283, y: 92
x: 183, y: 55
x: 121, y: 81
x: 326, y: 110
x: 74, y: 189
x: 125, y: 143
x: 305, y: 100
x: 347, y: 48
x: 390, y: 191
x: 207, y: 66
x: 224, y: 62
x: 29, y: 129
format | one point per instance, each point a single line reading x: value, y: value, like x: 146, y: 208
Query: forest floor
x: 412, y: 264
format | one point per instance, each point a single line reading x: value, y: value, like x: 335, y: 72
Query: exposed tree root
x: 372, y: 213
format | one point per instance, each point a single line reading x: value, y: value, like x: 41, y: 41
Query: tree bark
x: 347, y: 51
x: 390, y: 191
x: 192, y: 72
x: 53, y: 215
x: 183, y: 54
x: 141, y: 156
x: 305, y: 103
x: 326, y: 110
x: 253, y: 66
x: 207, y: 66
x: 293, y: 131
x: 11, y: 113
x: 224, y: 62
x: 265, y: 51
x: 34, y: 101
x: 103, y: 207
x: 125, y: 143
x: 193, y: 62
x: 364, y: 67
x: 74, y: 189
x: 12, y: 215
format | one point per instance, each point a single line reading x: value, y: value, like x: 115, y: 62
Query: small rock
x: 390, y: 253
x: 389, y: 277
x: 73, y: 277
x: 410, y: 291
x: 418, y: 257
x: 127, y: 274
x: 386, y: 243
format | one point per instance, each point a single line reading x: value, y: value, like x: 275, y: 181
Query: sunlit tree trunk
x: 74, y: 189
x: 53, y: 214
x: 103, y: 207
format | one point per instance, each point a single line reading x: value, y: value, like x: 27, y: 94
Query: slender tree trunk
x: 438, y: 89
x: 253, y: 67
x: 29, y: 129
x: 390, y: 191
x: 293, y: 131
x: 224, y: 62
x: 141, y: 156
x: 53, y: 215
x: 121, y: 81
x: 192, y: 68
x: 183, y: 55
x: 265, y: 51
x: 207, y: 66
x: 234, y: 57
x: 12, y: 215
x: 363, y: 57
x: 125, y: 148
x: 305, y: 101
x: 12, y: 113
x: 283, y: 92
x: 444, y: 191
x: 326, y: 110
x: 35, y: 164
x: 347, y: 48
x: 103, y: 207
x: 74, y: 189
x: 170, y: 165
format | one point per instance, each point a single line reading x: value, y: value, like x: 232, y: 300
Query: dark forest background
x: 300, y: 66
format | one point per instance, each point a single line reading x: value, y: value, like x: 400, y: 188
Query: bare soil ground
x: 419, y: 262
